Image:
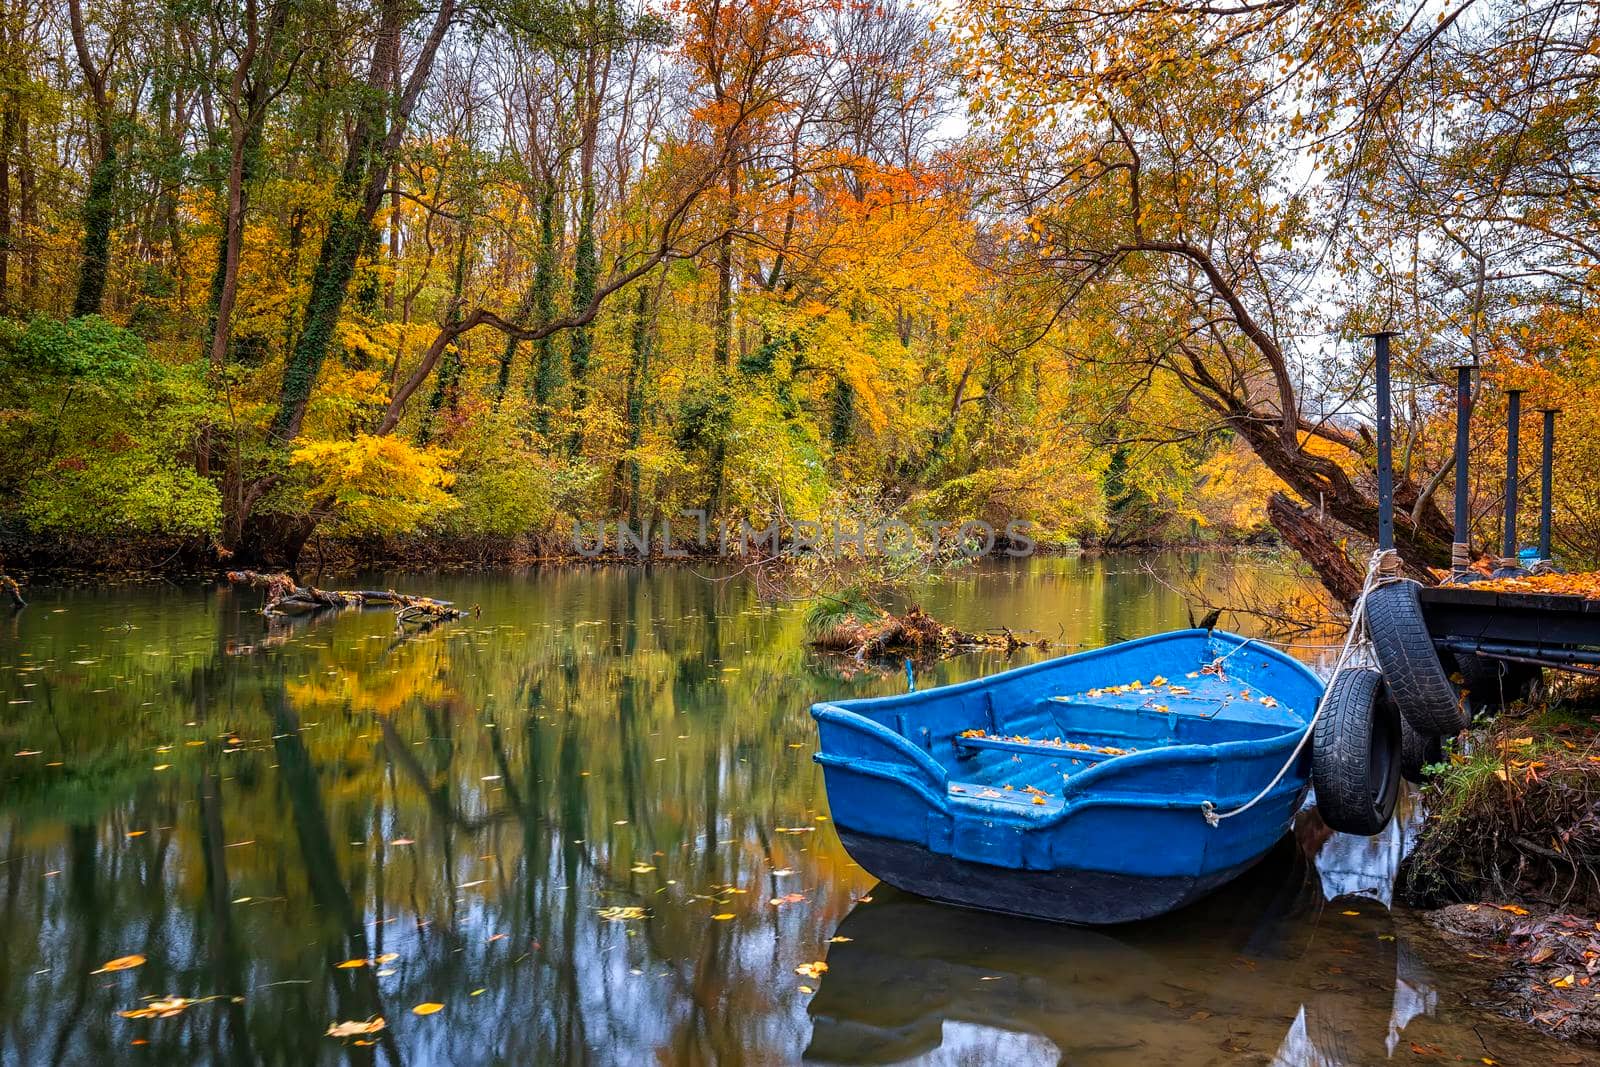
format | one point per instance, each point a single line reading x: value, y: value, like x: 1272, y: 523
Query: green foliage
x: 839, y: 609
x: 98, y: 439
x: 132, y: 492
x: 90, y: 350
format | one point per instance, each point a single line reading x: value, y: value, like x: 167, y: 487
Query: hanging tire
x: 1355, y: 753
x: 1416, y: 678
x: 1418, y: 751
x: 1494, y: 683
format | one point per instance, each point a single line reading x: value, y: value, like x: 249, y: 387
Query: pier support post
x: 1546, y: 480
x: 1380, y: 341
x: 1461, y: 550
x: 1508, y: 546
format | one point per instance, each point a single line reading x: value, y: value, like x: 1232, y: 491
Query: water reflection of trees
x: 534, y: 759
x: 589, y: 725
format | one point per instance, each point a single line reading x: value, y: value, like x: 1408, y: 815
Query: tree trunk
x: 99, y: 208
x: 585, y: 256
x: 272, y: 541
x: 722, y: 344
x: 379, y: 127
x: 547, y: 376
x: 638, y: 374
x: 1300, y: 528
x: 446, y: 383
x: 8, y: 135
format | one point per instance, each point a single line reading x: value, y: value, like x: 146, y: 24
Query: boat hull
x: 1065, y: 895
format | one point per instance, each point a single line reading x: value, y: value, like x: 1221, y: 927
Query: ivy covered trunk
x: 547, y: 376
x: 99, y: 209
x: 585, y: 254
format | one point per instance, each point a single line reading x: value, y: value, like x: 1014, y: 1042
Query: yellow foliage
x: 377, y: 485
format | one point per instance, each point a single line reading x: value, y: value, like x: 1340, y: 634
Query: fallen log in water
x: 914, y: 633
x: 12, y: 591
x: 284, y: 597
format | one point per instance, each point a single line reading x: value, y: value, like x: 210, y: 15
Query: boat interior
x: 1021, y: 735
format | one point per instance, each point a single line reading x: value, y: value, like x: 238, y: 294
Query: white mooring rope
x: 1383, y: 567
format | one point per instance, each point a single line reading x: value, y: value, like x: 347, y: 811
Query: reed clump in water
x: 853, y: 625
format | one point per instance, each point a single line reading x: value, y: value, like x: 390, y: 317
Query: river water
x: 586, y: 823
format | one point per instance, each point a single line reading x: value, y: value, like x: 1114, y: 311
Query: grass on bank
x: 1514, y: 811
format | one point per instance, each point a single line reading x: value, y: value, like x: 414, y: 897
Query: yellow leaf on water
x: 641, y: 868
x: 355, y: 1029
x: 807, y: 989
x: 427, y: 1008
x: 1352, y: 913
x: 121, y: 963
x: 621, y: 913
x: 164, y: 1008
x: 162, y: 766
x: 387, y: 957
x: 839, y: 939
x: 477, y: 992
x: 347, y: 964
x: 723, y: 917
x: 812, y: 970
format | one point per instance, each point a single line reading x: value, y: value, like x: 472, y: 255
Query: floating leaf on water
x: 162, y: 767
x: 641, y: 868
x: 839, y: 939
x: 347, y: 964
x: 807, y: 989
x: 356, y: 1029
x: 121, y: 963
x: 387, y: 957
x: 723, y: 917
x: 402, y: 841
x: 477, y: 992
x: 787, y: 898
x: 621, y: 913
x: 164, y: 1008
x: 427, y: 1007
x: 812, y: 970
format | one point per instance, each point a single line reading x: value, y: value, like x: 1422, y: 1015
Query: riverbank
x: 22, y: 556
x: 1507, y: 861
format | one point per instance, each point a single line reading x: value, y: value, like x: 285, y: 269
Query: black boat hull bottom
x: 1089, y: 898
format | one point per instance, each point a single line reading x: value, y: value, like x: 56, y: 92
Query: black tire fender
x: 1355, y: 753
x: 1494, y: 683
x: 1418, y: 751
x: 1416, y: 677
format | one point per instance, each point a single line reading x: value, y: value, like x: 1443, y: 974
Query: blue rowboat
x: 1075, y: 789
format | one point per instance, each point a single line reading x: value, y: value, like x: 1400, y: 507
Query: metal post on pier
x: 1508, y: 553
x: 1461, y: 550
x: 1546, y: 480
x: 1380, y: 341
